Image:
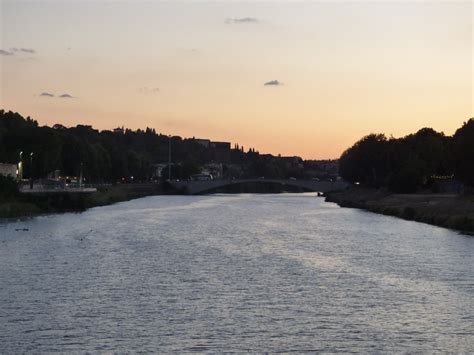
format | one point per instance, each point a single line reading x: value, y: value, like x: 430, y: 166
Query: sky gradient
x: 290, y: 78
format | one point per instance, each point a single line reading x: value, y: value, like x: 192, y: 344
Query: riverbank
x: 20, y: 205
x: 448, y: 211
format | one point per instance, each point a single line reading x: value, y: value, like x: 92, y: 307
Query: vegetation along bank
x: 444, y: 210
x: 426, y: 176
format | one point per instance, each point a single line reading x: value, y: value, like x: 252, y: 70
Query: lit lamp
x: 31, y: 170
x: 20, y: 167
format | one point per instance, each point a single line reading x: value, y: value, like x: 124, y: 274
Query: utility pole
x: 31, y: 170
x: 169, y: 158
x: 80, y: 178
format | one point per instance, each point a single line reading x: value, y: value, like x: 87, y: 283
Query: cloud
x: 148, y: 91
x: 24, y: 50
x: 4, y: 52
x: 63, y: 96
x: 273, y: 83
x: 187, y: 51
x: 241, y: 20
x: 27, y: 50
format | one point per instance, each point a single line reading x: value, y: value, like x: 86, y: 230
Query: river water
x: 256, y: 273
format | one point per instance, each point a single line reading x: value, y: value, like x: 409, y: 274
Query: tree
x: 463, y: 152
x: 366, y: 161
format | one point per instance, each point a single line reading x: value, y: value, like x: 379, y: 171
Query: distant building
x: 214, y: 169
x: 158, y: 170
x: 232, y: 171
x: 204, y: 142
x: 8, y: 170
x: 292, y: 160
x: 268, y: 157
x: 221, y: 151
x: 59, y: 127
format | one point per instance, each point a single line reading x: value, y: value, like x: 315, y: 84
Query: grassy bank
x: 448, y: 211
x: 19, y: 205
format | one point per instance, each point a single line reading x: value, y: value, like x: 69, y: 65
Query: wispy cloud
x: 63, y: 96
x: 4, y: 52
x: 24, y: 50
x: 66, y: 96
x: 148, y: 91
x: 241, y: 20
x: 188, y: 51
x: 273, y: 83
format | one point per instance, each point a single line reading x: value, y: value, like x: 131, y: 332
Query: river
x: 284, y: 272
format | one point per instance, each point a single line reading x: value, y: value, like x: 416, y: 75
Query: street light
x: 31, y: 164
x: 20, y: 167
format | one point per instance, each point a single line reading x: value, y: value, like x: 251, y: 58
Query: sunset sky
x: 335, y: 71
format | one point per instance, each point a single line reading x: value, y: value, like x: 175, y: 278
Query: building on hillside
x: 268, y: 157
x: 157, y: 172
x: 214, y: 169
x: 204, y: 142
x: 292, y: 162
x: 221, y: 151
x: 232, y: 171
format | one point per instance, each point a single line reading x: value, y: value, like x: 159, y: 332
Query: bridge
x: 207, y: 186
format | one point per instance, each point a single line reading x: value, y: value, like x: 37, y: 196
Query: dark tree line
x: 111, y: 156
x: 103, y: 156
x: 413, y: 162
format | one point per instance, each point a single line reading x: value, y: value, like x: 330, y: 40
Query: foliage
x: 366, y: 161
x: 463, y: 152
x: 181, y: 172
x: 408, y: 164
x: 8, y: 187
x: 119, y: 155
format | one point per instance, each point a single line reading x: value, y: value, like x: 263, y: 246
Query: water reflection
x: 233, y: 272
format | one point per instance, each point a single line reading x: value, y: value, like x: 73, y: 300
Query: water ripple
x: 240, y: 273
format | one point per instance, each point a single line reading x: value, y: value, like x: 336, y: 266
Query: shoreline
x: 448, y: 211
x: 20, y: 206
x: 29, y: 205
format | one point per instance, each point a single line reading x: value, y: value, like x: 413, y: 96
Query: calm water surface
x: 239, y: 273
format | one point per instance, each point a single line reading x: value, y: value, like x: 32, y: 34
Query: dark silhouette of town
x: 424, y: 160
x: 124, y: 155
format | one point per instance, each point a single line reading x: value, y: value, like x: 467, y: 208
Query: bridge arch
x: 203, y: 187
